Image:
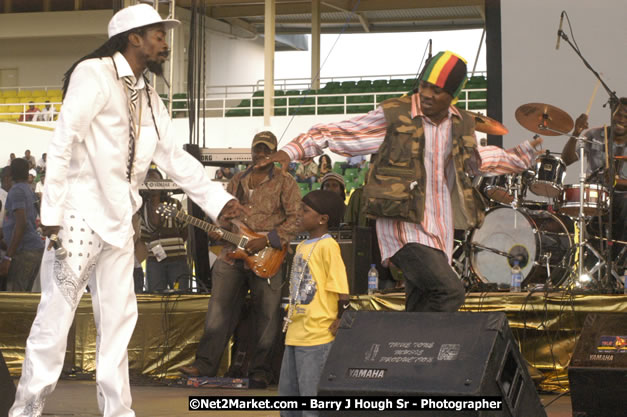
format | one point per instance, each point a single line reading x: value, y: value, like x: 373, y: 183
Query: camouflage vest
x: 396, y: 180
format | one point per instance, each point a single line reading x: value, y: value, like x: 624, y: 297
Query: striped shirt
x: 365, y: 133
x: 168, y: 233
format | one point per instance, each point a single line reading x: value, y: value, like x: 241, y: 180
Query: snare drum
x: 596, y: 200
x: 534, y: 237
x: 549, y: 176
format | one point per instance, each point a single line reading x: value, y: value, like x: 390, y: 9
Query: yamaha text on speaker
x: 598, y: 368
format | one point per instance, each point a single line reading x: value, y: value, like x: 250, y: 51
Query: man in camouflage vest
x: 419, y: 187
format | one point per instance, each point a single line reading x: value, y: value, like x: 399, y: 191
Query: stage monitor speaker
x: 356, y: 250
x: 7, y: 388
x: 357, y: 257
x: 429, y: 354
x: 598, y: 368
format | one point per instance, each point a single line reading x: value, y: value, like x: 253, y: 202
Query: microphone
x: 559, y: 31
x: 430, y: 47
x: 59, y: 251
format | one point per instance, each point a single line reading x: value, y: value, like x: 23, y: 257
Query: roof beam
x: 360, y: 16
x: 221, y: 9
x: 379, y: 20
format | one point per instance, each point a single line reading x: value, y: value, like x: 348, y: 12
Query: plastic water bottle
x: 516, y: 277
x: 373, y: 279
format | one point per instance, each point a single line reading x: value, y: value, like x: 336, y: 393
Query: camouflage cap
x: 267, y: 138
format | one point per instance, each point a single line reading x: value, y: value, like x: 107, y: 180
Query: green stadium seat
x: 337, y: 168
x: 309, y: 99
x: 331, y: 110
x: 301, y: 111
x: 397, y: 83
x: 332, y: 85
x: 474, y: 95
x: 359, y: 109
x: 360, y: 99
x: 304, y: 188
x: 238, y: 113
x: 477, y: 105
x: 179, y: 101
x: 378, y: 84
x: 293, y: 101
x: 348, y: 85
x: 350, y: 174
x: 350, y: 186
x: 364, y: 85
x: 383, y: 97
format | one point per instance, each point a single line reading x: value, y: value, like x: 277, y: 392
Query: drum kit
x: 548, y: 236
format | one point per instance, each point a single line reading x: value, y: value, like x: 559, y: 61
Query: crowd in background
x: 21, y: 241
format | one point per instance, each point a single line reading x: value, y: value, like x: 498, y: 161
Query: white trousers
x: 109, y: 273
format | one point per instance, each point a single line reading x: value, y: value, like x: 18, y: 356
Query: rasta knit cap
x: 446, y: 70
x: 326, y: 202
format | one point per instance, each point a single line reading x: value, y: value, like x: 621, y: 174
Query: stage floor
x: 78, y: 398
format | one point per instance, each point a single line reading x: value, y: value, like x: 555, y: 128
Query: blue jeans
x: 301, y: 370
x: 160, y: 275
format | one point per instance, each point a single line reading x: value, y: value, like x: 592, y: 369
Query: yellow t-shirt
x: 323, y: 279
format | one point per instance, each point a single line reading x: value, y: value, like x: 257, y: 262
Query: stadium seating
x: 335, y: 97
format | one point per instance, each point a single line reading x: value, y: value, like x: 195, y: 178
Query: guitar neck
x: 208, y: 227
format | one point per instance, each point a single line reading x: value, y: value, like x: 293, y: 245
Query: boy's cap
x: 137, y: 16
x: 326, y: 202
x: 267, y: 138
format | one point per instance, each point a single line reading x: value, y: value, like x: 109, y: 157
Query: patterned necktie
x: 132, y: 108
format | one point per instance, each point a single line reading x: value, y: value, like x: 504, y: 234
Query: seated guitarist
x: 274, y: 209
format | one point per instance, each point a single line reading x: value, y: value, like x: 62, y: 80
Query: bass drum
x: 532, y: 236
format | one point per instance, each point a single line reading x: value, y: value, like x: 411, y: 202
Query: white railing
x: 219, y: 107
x: 225, y: 101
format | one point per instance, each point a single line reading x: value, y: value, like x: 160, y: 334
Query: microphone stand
x: 614, y: 102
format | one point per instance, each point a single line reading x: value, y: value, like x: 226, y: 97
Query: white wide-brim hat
x: 133, y: 17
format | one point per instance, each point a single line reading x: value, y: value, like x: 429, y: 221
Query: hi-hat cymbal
x: 544, y: 119
x: 487, y: 125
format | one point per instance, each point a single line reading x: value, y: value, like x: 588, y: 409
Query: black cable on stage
x: 556, y: 398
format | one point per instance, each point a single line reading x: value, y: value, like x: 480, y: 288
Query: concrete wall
x: 533, y: 71
x: 42, y: 46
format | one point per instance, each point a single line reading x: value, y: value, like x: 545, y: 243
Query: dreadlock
x: 117, y: 43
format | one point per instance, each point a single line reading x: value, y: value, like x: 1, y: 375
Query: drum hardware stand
x: 614, y: 102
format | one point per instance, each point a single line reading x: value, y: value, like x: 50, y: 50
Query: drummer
x: 417, y: 186
x: 596, y: 160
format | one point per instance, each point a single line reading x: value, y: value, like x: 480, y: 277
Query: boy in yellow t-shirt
x: 318, y: 297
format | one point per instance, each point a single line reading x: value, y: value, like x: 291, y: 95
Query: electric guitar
x: 264, y: 263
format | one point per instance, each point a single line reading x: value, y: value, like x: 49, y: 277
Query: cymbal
x: 487, y: 125
x: 544, y: 119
